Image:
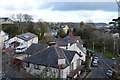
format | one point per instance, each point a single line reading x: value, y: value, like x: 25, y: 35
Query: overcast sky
x: 62, y: 11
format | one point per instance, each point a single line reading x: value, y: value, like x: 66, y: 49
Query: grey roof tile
x: 49, y: 56
x: 35, y: 48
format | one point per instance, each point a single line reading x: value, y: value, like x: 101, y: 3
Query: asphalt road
x: 103, y: 66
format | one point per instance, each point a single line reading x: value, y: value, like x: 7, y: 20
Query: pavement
x: 103, y: 65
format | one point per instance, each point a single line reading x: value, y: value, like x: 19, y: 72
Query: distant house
x: 54, y: 62
x: 6, y: 20
x: 23, y: 39
x: 65, y: 28
x: 74, y: 43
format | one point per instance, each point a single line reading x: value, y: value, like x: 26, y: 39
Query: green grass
x: 108, y: 54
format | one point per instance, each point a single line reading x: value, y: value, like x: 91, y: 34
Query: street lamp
x: 93, y: 45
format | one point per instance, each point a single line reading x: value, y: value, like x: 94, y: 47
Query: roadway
x: 103, y: 65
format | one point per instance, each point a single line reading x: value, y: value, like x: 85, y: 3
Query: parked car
x: 109, y: 73
x: 95, y: 63
x: 7, y: 50
x: 95, y: 58
x: 115, y: 65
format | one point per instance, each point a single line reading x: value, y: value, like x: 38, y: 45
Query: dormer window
x: 27, y: 64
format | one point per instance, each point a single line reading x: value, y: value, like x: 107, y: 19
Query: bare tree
x: 21, y: 17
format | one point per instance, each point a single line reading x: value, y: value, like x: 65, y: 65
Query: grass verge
x: 108, y: 54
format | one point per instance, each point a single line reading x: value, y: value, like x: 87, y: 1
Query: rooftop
x: 26, y: 36
x: 50, y: 56
x: 34, y: 48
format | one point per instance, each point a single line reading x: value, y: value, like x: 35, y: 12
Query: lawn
x: 108, y: 54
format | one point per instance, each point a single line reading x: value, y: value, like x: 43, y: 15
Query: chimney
x: 77, y: 41
x: 51, y: 43
x: 61, y: 62
x: 68, y: 45
x: 70, y: 34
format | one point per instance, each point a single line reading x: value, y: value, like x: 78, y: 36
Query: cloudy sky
x: 62, y: 11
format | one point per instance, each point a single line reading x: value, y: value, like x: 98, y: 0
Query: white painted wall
x: 55, y: 71
x: 75, y: 48
x: 1, y: 40
x: 116, y: 35
x: 21, y: 41
x: 64, y: 47
x: 21, y: 57
x: 61, y: 61
x: 74, y: 61
x: 66, y: 71
x: 34, y: 40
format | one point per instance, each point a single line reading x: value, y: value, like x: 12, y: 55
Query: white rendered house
x: 23, y: 39
x: 54, y: 62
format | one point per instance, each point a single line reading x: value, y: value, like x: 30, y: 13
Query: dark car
x: 115, y: 65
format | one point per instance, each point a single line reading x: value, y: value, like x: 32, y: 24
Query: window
x: 82, y: 62
x: 36, y: 66
x: 71, y: 66
x: 78, y: 62
x: 27, y: 64
x: 18, y: 49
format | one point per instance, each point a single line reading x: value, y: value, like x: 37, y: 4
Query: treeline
x: 38, y: 28
x: 94, y: 38
x: 23, y: 23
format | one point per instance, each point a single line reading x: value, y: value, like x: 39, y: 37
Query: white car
x: 95, y: 63
x: 109, y: 73
x: 96, y: 58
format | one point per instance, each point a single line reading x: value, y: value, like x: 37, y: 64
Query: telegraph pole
x: 93, y: 45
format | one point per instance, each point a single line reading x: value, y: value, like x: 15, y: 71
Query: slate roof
x: 26, y: 36
x: 4, y: 19
x: 61, y: 42
x: 49, y: 57
x: 81, y: 47
x: 68, y: 39
x: 34, y: 48
x: 69, y: 54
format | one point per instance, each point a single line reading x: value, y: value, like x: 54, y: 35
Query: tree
x: 61, y: 33
x: 21, y: 17
x: 22, y: 21
x: 40, y: 29
x: 11, y: 29
x: 82, y: 23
